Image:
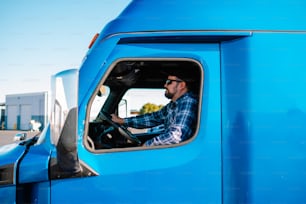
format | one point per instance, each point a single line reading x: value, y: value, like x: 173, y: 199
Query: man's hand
x: 117, y: 119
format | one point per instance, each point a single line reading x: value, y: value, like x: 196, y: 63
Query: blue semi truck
x: 246, y: 61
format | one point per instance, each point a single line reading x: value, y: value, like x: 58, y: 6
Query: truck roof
x: 200, y: 15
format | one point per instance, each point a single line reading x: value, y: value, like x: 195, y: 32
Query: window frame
x: 105, y: 77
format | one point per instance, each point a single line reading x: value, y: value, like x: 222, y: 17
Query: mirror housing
x: 64, y: 117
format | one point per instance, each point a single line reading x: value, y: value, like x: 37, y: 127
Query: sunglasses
x: 169, y: 81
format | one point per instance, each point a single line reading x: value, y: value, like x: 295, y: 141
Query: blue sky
x: 39, y: 38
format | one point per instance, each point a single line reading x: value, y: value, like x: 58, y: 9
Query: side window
x: 139, y: 101
x: 136, y: 102
x: 156, y: 104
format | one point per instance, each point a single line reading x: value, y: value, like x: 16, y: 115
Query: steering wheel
x: 122, y: 129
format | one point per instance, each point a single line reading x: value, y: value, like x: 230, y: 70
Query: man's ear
x: 182, y: 85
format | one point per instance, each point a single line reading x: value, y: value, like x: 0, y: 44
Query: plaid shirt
x: 178, y: 118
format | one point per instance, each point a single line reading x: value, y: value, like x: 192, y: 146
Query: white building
x: 2, y: 115
x: 21, y: 109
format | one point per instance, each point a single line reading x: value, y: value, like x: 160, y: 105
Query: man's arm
x: 181, y: 128
x: 142, y: 121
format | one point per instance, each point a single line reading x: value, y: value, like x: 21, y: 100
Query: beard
x: 168, y: 94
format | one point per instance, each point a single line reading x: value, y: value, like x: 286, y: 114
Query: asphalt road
x: 7, y: 136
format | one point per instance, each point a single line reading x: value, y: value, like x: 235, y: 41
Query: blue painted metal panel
x: 210, y: 15
x: 264, y: 117
x: 10, y: 154
x: 41, y: 192
x: 34, y: 166
x: 8, y: 194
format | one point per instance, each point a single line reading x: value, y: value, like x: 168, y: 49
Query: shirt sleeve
x: 147, y: 120
x: 181, y: 126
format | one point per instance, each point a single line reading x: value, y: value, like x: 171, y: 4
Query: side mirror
x: 64, y: 118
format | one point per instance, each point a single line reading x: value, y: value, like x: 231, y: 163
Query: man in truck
x: 178, y: 117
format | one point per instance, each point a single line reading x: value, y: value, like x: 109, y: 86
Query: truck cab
x: 246, y: 68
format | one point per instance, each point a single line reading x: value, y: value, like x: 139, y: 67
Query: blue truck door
x: 185, y: 173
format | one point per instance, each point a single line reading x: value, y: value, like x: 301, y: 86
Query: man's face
x: 171, y: 86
